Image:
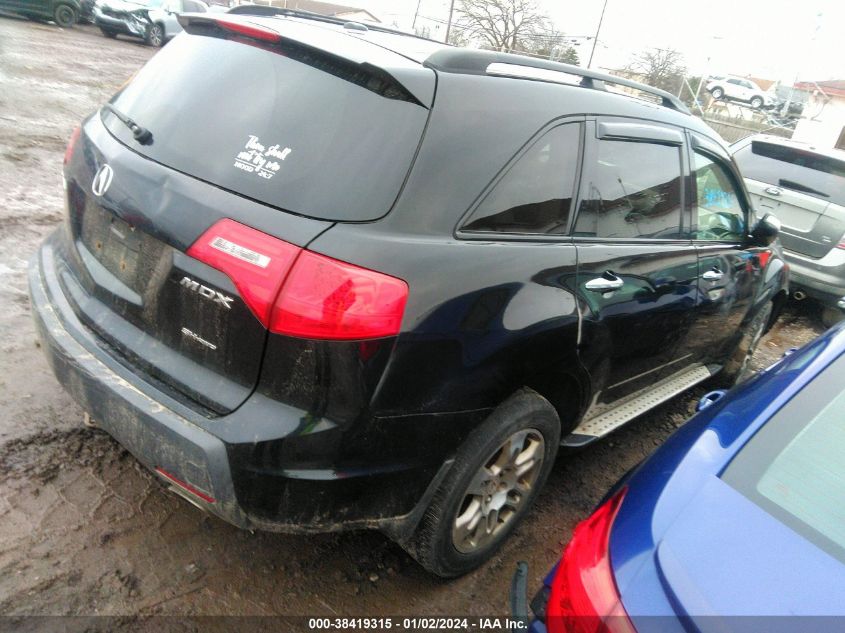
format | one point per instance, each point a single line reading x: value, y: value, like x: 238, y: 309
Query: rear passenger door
x: 637, y: 267
x: 729, y: 269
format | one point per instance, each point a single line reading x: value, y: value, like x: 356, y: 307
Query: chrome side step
x: 608, y: 419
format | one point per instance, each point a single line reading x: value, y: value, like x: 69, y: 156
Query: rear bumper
x: 155, y: 434
x: 822, y: 279
x: 208, y: 454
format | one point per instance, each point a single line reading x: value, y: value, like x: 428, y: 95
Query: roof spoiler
x: 260, y: 9
x: 361, y: 73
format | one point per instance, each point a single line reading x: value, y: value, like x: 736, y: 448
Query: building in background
x: 823, y: 120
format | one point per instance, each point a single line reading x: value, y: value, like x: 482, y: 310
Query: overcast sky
x: 771, y: 39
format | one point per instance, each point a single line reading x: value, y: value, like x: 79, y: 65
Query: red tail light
x: 584, y: 597
x: 249, y: 30
x: 256, y: 262
x: 299, y: 293
x: 327, y: 299
x: 841, y: 244
x: 71, y: 143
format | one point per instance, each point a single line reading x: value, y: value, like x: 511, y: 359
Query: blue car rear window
x: 793, y: 467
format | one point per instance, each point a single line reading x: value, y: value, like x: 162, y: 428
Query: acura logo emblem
x: 102, y: 180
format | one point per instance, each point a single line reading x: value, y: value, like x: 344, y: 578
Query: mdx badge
x: 205, y: 291
x: 102, y: 180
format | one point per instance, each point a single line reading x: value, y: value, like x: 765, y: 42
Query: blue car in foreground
x: 737, y: 523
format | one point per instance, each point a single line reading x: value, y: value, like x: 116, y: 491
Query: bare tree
x: 503, y: 25
x: 659, y: 67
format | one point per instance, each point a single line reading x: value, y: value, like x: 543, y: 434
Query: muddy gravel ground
x: 85, y: 530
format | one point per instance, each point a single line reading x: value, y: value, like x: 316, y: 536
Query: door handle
x: 774, y: 191
x: 714, y: 274
x: 607, y: 282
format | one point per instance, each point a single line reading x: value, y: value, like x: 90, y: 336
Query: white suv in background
x: 739, y: 89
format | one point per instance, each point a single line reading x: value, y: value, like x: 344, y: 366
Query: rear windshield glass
x: 822, y: 177
x: 318, y: 137
x: 793, y: 466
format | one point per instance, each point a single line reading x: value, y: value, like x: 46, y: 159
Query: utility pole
x: 596, y: 38
x: 449, y: 23
x: 785, y: 109
x: 416, y: 13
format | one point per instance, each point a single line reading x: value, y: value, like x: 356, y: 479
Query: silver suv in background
x: 154, y: 21
x: 804, y: 187
x: 739, y: 89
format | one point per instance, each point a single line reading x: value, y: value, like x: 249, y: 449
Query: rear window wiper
x: 797, y: 186
x: 141, y: 134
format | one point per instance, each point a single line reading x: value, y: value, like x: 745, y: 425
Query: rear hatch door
x: 281, y: 137
x: 803, y: 189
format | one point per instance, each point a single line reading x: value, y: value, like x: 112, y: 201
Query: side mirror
x: 766, y: 231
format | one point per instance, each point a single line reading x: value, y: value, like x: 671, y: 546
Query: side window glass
x: 719, y: 212
x: 633, y: 190
x: 535, y: 195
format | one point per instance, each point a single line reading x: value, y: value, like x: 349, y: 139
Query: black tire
x: 718, y: 93
x: 155, y: 36
x: 109, y: 34
x: 756, y: 102
x: 831, y: 316
x: 64, y: 16
x: 738, y: 368
x: 433, y: 544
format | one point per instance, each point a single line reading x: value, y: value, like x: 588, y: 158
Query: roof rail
x: 476, y: 62
x: 261, y: 9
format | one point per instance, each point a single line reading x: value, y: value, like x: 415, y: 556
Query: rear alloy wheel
x: 495, y: 478
x: 155, y: 35
x: 718, y: 93
x: 738, y: 369
x: 64, y: 16
x: 498, y: 491
x: 756, y: 103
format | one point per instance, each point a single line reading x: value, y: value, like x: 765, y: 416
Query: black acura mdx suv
x: 320, y: 276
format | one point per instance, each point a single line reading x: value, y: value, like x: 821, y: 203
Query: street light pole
x: 449, y: 23
x: 596, y: 38
x: 416, y: 13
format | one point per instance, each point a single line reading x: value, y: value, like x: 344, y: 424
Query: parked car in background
x: 805, y: 187
x: 154, y: 21
x: 738, y: 516
x: 65, y: 13
x: 329, y: 303
x: 739, y: 89
x: 86, y: 12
